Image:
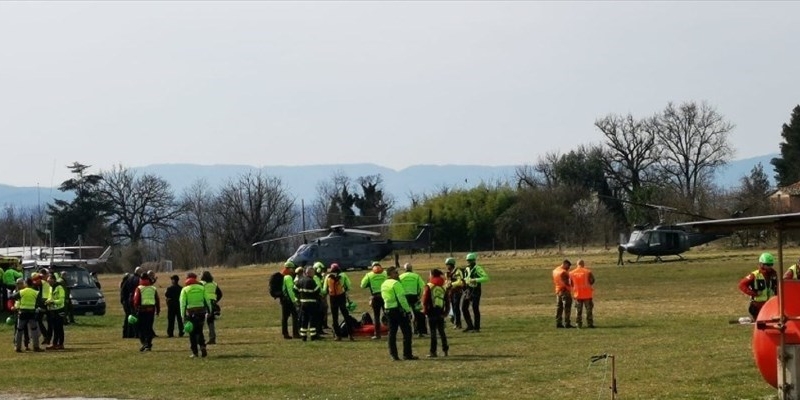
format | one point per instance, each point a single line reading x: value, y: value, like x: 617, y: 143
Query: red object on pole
x: 766, y: 335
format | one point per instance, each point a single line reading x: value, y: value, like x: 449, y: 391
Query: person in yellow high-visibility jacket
x: 399, y: 313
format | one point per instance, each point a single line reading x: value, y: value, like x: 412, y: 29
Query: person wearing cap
x: 455, y: 288
x: 582, y: 280
x: 55, y: 309
x: 288, y: 300
x: 195, y: 305
x: 173, y: 294
x: 45, y: 290
x: 399, y: 313
x: 215, y: 294
x: 298, y: 273
x: 319, y: 278
x: 563, y: 290
x: 792, y: 272
x: 435, y: 306
x: 147, y: 306
x: 413, y: 285
x: 373, y: 281
x: 27, y: 297
x: 474, y: 277
x: 761, y: 284
x: 308, y: 295
x: 337, y: 285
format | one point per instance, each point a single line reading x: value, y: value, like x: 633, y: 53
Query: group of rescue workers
x: 403, y: 301
x: 189, y: 308
x: 39, y: 306
x: 307, y: 294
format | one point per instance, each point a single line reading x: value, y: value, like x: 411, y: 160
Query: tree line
x: 583, y: 197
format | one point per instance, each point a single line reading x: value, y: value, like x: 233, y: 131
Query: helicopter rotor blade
x: 276, y: 239
x: 361, y: 232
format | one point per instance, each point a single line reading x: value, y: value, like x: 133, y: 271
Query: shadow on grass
x: 211, y: 355
x: 472, y: 357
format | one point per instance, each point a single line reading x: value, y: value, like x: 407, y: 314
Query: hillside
x: 302, y: 181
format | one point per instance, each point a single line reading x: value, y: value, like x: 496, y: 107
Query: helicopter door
x: 657, y: 238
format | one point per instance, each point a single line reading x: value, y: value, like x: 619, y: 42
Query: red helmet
x: 335, y: 267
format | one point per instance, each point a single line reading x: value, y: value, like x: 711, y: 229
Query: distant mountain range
x: 302, y: 181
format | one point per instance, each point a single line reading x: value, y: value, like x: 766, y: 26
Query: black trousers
x: 398, y: 319
x: 145, y: 327
x: 436, y: 323
x: 455, y: 305
x: 57, y: 326
x: 377, y: 308
x: 471, y: 299
x: 339, y: 304
x: 44, y: 329
x: 196, y: 338
x: 173, y: 316
x: 419, y: 318
x: 288, y: 310
x: 309, y: 314
x: 128, y: 330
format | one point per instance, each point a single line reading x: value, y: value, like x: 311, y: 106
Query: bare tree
x: 693, y: 143
x: 141, y: 205
x: 198, y: 202
x: 254, y: 208
x: 374, y: 203
x: 631, y: 152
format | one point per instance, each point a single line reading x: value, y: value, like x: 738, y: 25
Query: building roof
x: 790, y: 190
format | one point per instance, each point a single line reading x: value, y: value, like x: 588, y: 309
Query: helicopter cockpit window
x: 657, y: 238
x: 308, y: 251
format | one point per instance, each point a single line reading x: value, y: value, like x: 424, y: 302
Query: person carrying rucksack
x: 435, y: 306
x: 337, y: 284
x: 285, y: 292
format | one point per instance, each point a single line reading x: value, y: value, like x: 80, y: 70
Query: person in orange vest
x: 761, y: 284
x: 563, y: 295
x: 582, y: 281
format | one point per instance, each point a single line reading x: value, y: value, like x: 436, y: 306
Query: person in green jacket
x: 27, y: 297
x: 374, y: 281
x: 399, y: 313
x: 413, y: 285
x: 288, y: 303
x: 474, y: 276
x: 10, y: 277
x: 195, y: 305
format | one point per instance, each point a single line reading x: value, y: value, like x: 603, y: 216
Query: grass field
x: 666, y: 324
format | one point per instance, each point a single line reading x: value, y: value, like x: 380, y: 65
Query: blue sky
x: 391, y: 83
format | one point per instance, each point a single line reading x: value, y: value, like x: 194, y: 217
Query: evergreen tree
x: 787, y: 166
x: 82, y: 217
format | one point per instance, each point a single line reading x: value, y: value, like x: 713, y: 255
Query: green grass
x: 666, y: 324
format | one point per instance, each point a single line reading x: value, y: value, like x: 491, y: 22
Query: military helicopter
x: 665, y: 240
x: 351, y: 247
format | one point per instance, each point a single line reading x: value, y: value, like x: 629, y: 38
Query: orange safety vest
x: 335, y: 285
x: 581, y: 288
x: 558, y: 280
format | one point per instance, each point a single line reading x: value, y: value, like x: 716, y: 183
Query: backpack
x: 276, y: 285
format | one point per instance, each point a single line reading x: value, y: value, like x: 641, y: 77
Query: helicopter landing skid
x: 657, y: 259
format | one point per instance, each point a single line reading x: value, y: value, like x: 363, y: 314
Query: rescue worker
x: 10, y: 277
x: 474, y: 277
x: 173, y: 294
x: 27, y: 297
x: 55, y: 308
x: 195, y: 304
x: 146, y: 305
x: 455, y: 287
x: 413, y: 286
x: 40, y: 282
x: 288, y: 301
x: 582, y: 280
x: 337, y: 285
x: 374, y: 281
x: 319, y: 278
x: 215, y: 294
x: 126, y: 289
x: 308, y: 296
x: 760, y: 284
x: 792, y: 272
x: 563, y: 295
x: 436, y: 306
x: 399, y: 313
x: 62, y: 279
